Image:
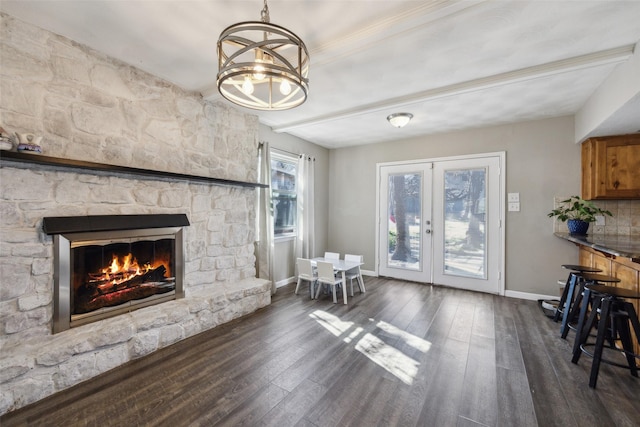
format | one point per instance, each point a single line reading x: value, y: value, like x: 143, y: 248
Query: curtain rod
x: 289, y: 152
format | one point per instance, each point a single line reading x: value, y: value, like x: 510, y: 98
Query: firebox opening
x: 116, y: 273
x: 103, y: 272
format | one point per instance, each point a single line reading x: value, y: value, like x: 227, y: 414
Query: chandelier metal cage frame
x: 262, y: 66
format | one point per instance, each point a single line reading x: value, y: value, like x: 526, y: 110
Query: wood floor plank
x: 479, y: 401
x: 515, y: 405
x: 443, y: 378
x: 401, y: 354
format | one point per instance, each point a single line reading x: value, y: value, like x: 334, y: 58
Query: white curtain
x: 265, y: 266
x: 305, y: 198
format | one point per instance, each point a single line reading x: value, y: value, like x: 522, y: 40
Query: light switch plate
x: 513, y: 197
x: 514, y: 207
x: 600, y: 220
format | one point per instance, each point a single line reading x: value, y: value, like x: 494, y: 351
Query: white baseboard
x: 509, y: 294
x: 285, y: 282
x: 529, y: 296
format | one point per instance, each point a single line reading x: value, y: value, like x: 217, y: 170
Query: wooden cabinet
x: 623, y: 268
x: 611, y: 167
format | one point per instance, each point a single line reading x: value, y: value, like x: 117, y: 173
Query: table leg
x: 344, y: 286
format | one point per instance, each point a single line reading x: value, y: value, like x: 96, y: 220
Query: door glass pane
x: 405, y: 237
x: 464, y: 228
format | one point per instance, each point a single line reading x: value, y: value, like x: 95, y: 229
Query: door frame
x: 502, y: 196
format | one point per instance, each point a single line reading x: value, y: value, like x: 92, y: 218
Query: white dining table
x: 340, y: 266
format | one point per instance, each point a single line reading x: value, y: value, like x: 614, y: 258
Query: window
x: 283, y: 194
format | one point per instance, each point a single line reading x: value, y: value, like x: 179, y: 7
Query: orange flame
x: 121, y: 270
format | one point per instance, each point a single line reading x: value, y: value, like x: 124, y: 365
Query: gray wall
x: 542, y: 162
x: 284, y: 250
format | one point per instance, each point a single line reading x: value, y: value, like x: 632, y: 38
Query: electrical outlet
x: 514, y: 207
x: 600, y: 220
x: 513, y: 197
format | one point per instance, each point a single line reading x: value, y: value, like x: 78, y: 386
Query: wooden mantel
x: 16, y: 157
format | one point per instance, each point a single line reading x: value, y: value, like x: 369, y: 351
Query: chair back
x: 305, y: 270
x: 353, y: 258
x: 325, y: 272
x: 331, y: 255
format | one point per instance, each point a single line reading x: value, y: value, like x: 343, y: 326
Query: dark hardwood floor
x: 402, y: 354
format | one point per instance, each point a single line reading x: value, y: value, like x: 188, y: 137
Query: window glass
x: 283, y: 194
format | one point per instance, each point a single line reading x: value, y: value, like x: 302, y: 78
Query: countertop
x: 618, y: 245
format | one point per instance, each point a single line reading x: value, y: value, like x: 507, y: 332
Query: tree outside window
x: 283, y: 194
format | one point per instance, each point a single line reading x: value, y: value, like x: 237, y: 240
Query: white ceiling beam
x: 610, y: 56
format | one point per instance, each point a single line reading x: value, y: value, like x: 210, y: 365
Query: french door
x: 405, y: 221
x: 440, y: 222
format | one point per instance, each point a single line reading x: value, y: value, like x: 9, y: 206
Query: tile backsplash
x: 625, y: 219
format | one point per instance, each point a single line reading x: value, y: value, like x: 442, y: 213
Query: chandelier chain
x: 265, y: 13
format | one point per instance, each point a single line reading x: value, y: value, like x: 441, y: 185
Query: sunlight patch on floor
x: 384, y: 355
x: 388, y: 357
x: 331, y: 323
x: 409, y: 339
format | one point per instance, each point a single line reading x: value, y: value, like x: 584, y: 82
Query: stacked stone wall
x: 90, y: 107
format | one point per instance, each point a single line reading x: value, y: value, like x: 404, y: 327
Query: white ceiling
x: 452, y: 64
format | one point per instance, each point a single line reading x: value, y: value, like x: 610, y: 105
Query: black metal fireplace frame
x: 82, y: 230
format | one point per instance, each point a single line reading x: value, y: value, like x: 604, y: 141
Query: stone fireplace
x: 116, y: 142
x: 105, y: 265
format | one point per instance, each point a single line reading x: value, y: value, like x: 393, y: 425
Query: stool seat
x: 581, y: 268
x: 612, y: 291
x: 592, y: 277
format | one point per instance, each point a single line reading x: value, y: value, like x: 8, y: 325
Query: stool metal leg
x: 576, y: 305
x: 605, y: 307
x: 635, y: 326
x: 622, y: 327
x: 584, y: 324
x: 563, y: 298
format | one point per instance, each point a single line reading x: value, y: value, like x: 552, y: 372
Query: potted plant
x: 578, y: 214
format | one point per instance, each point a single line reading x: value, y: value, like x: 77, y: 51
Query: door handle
x: 427, y: 231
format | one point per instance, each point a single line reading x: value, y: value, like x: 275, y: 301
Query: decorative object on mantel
x: 5, y: 140
x: 262, y: 66
x: 578, y: 213
x: 28, y: 142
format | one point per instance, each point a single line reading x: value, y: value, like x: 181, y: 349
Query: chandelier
x: 262, y: 66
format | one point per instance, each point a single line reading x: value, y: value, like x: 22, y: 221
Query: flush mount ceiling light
x: 262, y: 66
x: 399, y: 119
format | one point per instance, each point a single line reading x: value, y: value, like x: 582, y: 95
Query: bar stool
x: 570, y: 296
x: 615, y: 314
x: 587, y: 278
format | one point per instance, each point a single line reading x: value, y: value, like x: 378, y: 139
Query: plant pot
x: 577, y: 226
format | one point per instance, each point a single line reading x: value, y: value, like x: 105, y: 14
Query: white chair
x: 331, y: 255
x: 354, y: 273
x: 305, y: 272
x: 327, y: 277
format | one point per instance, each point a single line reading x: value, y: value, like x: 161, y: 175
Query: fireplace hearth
x: 108, y: 265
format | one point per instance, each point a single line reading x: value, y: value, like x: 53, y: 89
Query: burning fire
x: 128, y: 269
x: 122, y: 270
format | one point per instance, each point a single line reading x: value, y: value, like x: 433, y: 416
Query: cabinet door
x: 611, y: 167
x: 585, y: 258
x: 601, y: 262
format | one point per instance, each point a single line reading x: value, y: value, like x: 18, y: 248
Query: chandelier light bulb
x: 285, y: 87
x: 258, y: 72
x: 247, y: 86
